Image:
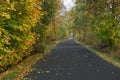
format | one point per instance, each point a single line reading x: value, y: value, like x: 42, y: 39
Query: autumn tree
x: 16, y: 35
x: 99, y: 18
x: 46, y: 25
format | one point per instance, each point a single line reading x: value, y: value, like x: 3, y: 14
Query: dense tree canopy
x: 100, y: 18
x: 23, y: 28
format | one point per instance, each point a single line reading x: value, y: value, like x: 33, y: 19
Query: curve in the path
x: 72, y: 61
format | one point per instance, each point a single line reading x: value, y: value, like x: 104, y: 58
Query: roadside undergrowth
x: 17, y: 72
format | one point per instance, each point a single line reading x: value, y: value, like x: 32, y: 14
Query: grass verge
x: 109, y: 58
x: 17, y: 72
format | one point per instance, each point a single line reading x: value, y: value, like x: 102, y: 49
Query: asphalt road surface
x: 71, y: 61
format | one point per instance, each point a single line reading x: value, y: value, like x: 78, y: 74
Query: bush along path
x: 71, y: 61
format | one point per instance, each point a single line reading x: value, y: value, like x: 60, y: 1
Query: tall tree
x: 102, y: 17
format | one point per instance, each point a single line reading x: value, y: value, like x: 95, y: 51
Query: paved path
x: 71, y: 61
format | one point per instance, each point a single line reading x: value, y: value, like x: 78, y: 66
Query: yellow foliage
x: 6, y: 15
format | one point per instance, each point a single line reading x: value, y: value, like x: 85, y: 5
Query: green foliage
x: 99, y: 19
x: 108, y: 31
x: 11, y: 76
x: 16, y: 36
x: 61, y: 33
x: 50, y: 8
x: 23, y: 28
